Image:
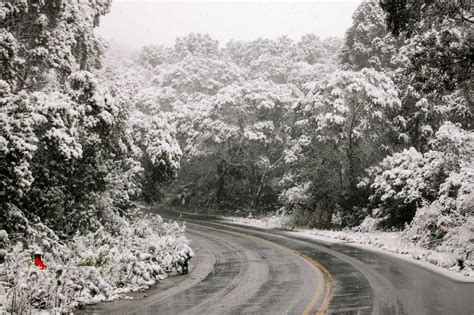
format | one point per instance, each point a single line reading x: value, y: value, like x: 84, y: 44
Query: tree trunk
x: 220, y: 188
x: 350, y: 156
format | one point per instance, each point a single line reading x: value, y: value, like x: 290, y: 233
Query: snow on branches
x: 406, y: 180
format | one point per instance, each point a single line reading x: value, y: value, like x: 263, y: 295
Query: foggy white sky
x: 133, y: 23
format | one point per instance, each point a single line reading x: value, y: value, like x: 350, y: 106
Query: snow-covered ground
x: 388, y: 242
x: 273, y: 222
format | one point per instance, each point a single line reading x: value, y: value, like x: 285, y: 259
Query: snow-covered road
x: 246, y: 270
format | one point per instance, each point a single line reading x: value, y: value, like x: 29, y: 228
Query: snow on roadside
x: 393, y: 242
x: 388, y: 242
x: 273, y: 222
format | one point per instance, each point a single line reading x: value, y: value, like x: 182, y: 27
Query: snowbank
x: 127, y: 255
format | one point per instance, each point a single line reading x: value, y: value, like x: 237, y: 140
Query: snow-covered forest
x: 373, y: 130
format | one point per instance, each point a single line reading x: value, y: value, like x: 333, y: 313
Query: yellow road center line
x: 329, y: 280
x: 322, y: 273
x: 316, y: 297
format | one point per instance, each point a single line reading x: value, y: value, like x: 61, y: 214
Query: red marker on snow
x: 38, y: 262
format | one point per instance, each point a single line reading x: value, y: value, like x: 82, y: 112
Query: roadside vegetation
x: 74, y: 153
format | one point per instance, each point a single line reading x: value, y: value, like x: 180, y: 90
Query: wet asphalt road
x: 250, y: 271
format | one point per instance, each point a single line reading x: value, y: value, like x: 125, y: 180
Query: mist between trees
x: 372, y: 129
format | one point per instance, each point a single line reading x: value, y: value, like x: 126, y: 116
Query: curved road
x: 241, y: 270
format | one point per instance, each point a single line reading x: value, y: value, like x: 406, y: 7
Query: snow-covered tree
x: 242, y: 136
x: 152, y: 56
x: 244, y: 53
x: 312, y: 49
x: 49, y: 40
x: 342, y: 126
x: 195, y: 76
x: 67, y: 133
x: 367, y: 43
x: 18, y: 143
x: 352, y: 110
x: 160, y: 152
x: 197, y: 45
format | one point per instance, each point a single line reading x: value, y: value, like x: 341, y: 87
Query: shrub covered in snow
x: 296, y: 197
x: 125, y: 255
x: 369, y: 224
x: 404, y: 181
x: 447, y: 224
